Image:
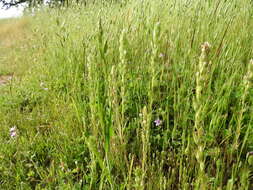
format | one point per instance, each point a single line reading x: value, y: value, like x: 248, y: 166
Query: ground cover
x: 133, y: 95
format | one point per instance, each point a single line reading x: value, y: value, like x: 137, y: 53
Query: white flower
x: 13, y: 132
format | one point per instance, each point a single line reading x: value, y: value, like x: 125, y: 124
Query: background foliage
x: 106, y: 96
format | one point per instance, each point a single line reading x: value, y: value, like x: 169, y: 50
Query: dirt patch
x: 5, y: 79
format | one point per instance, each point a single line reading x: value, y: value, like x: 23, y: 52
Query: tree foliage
x: 31, y: 3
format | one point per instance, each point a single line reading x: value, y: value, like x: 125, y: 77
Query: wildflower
x: 158, y: 122
x: 13, y: 132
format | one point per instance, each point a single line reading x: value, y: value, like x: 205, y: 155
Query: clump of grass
x: 247, y: 83
x: 113, y: 98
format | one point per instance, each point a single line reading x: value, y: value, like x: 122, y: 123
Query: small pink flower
x: 13, y: 132
x: 158, y: 122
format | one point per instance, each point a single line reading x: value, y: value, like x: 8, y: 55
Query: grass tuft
x: 119, y: 95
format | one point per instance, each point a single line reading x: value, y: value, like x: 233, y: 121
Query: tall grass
x: 123, y: 96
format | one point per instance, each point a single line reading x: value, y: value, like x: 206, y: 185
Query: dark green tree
x: 11, y: 3
x: 31, y: 3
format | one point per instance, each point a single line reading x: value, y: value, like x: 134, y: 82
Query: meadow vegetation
x: 146, y: 94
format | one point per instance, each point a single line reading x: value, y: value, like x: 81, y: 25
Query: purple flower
x: 158, y: 122
x: 13, y: 132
